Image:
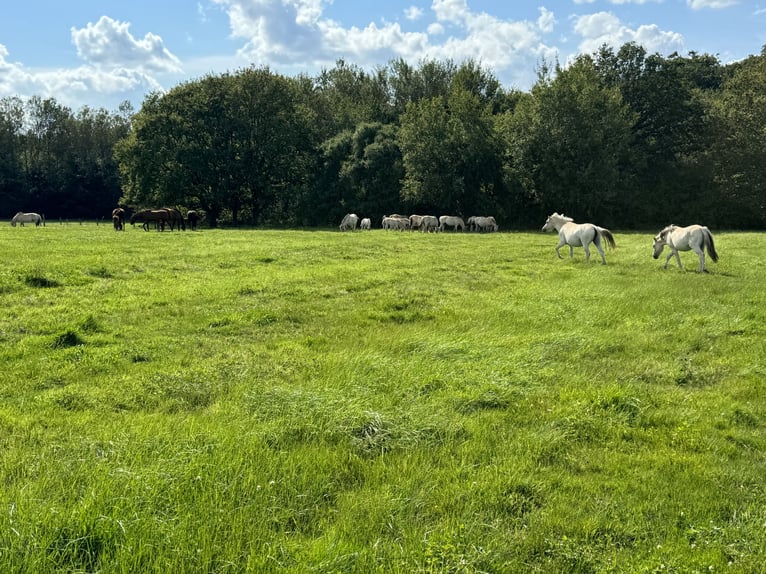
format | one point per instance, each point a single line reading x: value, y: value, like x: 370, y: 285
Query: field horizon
x: 259, y: 400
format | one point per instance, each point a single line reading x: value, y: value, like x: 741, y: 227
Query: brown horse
x: 193, y: 218
x: 175, y: 219
x: 146, y: 216
x: 118, y: 218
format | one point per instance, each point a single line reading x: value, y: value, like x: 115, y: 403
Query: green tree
x: 739, y: 153
x: 568, y: 142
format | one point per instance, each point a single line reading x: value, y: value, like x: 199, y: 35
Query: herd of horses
x: 696, y: 238
x: 161, y: 218
x: 425, y: 223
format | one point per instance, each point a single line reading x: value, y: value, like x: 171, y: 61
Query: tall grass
x: 316, y: 401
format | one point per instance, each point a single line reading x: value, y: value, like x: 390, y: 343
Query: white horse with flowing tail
x: 695, y: 238
x: 349, y: 222
x: 21, y: 218
x: 578, y: 234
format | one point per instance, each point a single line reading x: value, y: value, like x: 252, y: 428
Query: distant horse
x: 118, y: 218
x: 365, y: 223
x: 479, y: 223
x: 400, y: 223
x: 429, y: 223
x: 451, y: 221
x: 157, y: 216
x: 695, y: 238
x: 175, y: 219
x: 349, y: 222
x: 21, y: 218
x: 578, y: 234
x: 193, y: 218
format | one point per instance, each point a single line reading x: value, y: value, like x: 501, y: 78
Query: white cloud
x: 295, y: 33
x: 701, y: 4
x: 605, y: 28
x: 116, y: 65
x: 109, y: 43
x: 413, y: 13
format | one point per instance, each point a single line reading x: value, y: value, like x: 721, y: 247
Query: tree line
x: 621, y: 136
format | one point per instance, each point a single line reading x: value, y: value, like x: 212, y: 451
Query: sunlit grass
x: 292, y: 401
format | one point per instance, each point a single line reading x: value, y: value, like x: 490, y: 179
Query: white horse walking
x: 349, y: 221
x: 578, y: 234
x: 695, y: 238
x: 21, y: 218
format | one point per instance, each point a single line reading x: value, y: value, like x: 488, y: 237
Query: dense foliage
x: 622, y: 136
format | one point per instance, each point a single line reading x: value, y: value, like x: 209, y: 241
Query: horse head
x: 661, y: 239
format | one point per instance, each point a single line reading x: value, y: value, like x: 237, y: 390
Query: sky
x: 99, y: 53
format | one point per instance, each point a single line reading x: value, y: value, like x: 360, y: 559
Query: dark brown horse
x: 118, y: 218
x: 159, y: 217
x: 193, y: 218
x: 175, y: 219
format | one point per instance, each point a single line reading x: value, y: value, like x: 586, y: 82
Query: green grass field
x: 317, y: 401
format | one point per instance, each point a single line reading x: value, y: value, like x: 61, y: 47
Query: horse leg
x: 600, y: 249
x: 701, y: 252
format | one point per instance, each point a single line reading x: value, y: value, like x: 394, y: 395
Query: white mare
x: 695, y: 238
x: 429, y: 223
x: 452, y: 221
x: 349, y: 222
x: 365, y: 223
x: 21, y: 218
x: 578, y: 234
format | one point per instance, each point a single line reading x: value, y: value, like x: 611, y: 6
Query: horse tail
x: 42, y: 217
x: 710, y: 245
x: 608, y: 236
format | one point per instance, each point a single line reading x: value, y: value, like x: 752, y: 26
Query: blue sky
x: 100, y: 53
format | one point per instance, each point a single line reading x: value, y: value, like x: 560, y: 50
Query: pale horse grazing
x: 21, y: 218
x: 695, y: 238
x: 578, y: 234
x: 349, y: 222
x: 365, y: 223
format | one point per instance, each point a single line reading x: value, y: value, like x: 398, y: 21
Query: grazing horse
x: 695, y: 238
x: 578, y: 234
x: 175, y: 219
x: 365, y: 223
x: 349, y: 222
x: 193, y: 218
x: 451, y: 221
x: 118, y: 218
x: 429, y: 223
x: 21, y: 218
x: 479, y: 223
x: 159, y: 216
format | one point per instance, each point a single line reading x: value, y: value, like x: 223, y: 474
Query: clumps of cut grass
x: 90, y: 325
x: 38, y: 280
x: 101, y: 272
x: 67, y: 339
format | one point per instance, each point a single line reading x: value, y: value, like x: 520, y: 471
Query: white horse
x: 390, y: 222
x: 578, y: 234
x: 479, y: 223
x: 21, y: 218
x: 429, y: 223
x: 349, y: 221
x: 451, y: 221
x: 695, y: 238
x: 365, y: 223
